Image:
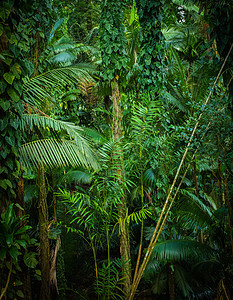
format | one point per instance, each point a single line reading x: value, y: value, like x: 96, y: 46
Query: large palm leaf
x: 179, y: 250
x: 56, y: 153
x: 40, y: 88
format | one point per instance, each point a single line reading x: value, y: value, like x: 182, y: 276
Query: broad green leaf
x: 30, y: 260
x: 13, y: 94
x: 3, y: 124
x: 4, y: 104
x: 3, y: 86
x: 22, y: 243
x: 20, y: 293
x: 23, y: 230
x: 9, y: 239
x: 10, y: 140
x: 14, y: 252
x: 9, y: 77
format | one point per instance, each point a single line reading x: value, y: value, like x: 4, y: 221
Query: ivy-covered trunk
x: 122, y: 207
x: 44, y: 236
x: 114, y: 65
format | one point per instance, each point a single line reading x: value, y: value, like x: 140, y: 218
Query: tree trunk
x: 171, y: 283
x: 44, y: 236
x: 122, y: 207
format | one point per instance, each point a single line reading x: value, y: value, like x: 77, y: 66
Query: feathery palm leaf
x: 38, y: 89
x: 80, y: 145
x: 73, y: 175
x: 178, y: 250
x: 54, y: 153
x: 193, y: 212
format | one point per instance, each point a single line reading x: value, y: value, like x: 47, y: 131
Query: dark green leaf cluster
x: 112, y: 40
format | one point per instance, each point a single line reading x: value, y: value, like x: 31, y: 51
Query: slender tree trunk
x: 44, y: 236
x: 122, y: 207
x: 171, y: 283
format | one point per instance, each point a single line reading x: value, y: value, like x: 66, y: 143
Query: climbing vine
x: 112, y: 40
x: 151, y: 15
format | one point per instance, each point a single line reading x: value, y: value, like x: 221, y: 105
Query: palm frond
x: 150, y: 177
x: 79, y: 176
x: 169, y: 98
x: 75, y: 132
x: 138, y: 216
x: 180, y: 67
x: 54, y: 153
x: 179, y: 250
x: 182, y: 279
x: 38, y: 89
x: 193, y: 212
x: 160, y: 282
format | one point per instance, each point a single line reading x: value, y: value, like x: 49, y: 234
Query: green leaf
x: 1, y: 29
x: 4, y: 104
x: 15, y: 123
x: 13, y: 94
x: 3, y: 124
x: 3, y: 86
x: 18, y: 86
x: 55, y: 27
x: 10, y: 140
x: 20, y: 294
x: 22, y: 243
x: 23, y: 230
x: 30, y: 260
x: 29, y: 66
x: 9, y: 239
x: 3, y: 184
x: 2, y: 253
x: 14, y: 252
x: 18, y: 282
x: 9, y: 77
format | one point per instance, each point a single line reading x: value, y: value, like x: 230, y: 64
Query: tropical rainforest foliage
x: 116, y: 172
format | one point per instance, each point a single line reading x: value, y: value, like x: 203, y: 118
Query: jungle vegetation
x: 116, y: 125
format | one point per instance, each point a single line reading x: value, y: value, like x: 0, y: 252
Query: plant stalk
x: 154, y: 237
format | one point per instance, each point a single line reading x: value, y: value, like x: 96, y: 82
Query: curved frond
x: 178, y: 250
x: 75, y: 132
x: 75, y: 176
x: 194, y: 212
x: 63, y: 57
x: 38, y: 89
x: 182, y: 279
x: 54, y: 153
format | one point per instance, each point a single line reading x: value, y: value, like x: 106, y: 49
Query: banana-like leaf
x: 38, y: 89
x: 57, y: 153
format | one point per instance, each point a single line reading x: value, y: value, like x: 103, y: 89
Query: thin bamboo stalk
x: 155, y: 235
